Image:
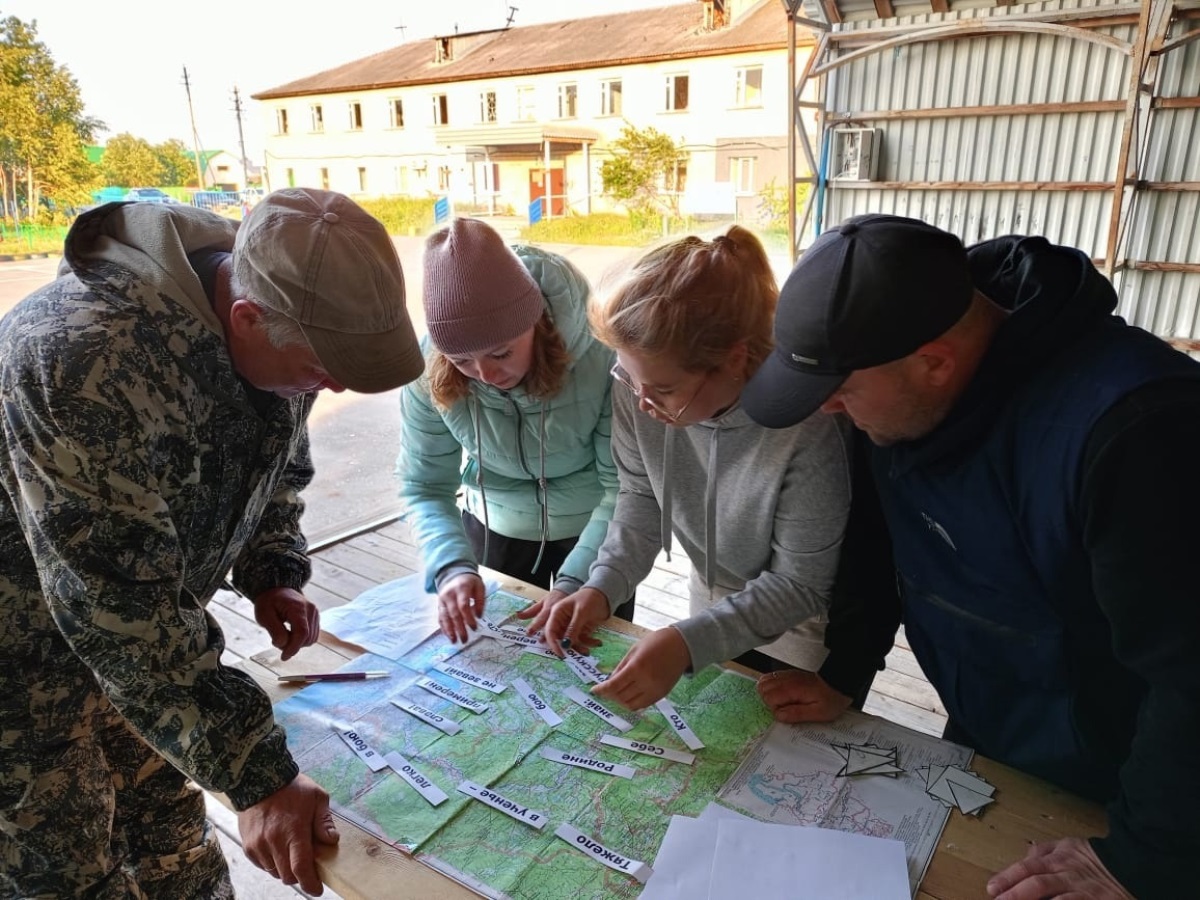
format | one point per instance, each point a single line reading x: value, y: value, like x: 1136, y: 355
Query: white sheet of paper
x: 681, y: 867
x: 389, y: 619
x: 758, y: 859
x: 715, y: 811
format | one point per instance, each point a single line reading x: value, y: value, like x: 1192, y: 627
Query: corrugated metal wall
x: 1080, y: 147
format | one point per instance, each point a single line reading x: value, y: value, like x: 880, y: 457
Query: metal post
x: 793, y: 122
x: 549, y: 182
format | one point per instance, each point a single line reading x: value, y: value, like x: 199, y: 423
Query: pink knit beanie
x: 477, y: 294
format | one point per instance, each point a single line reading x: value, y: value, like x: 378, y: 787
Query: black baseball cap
x: 870, y: 291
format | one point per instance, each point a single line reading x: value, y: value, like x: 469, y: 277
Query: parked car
x: 149, y: 195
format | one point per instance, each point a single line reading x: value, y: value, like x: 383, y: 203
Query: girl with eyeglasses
x: 761, y: 513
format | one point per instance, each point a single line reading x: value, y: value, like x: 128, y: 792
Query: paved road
x: 354, y: 436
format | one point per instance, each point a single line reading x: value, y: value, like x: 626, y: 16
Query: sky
x: 128, y: 56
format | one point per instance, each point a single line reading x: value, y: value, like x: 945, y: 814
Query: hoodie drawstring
x: 710, y: 515
x: 664, y: 522
x: 543, y: 497
x: 487, y: 529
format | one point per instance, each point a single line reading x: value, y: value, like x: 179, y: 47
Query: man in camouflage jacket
x: 153, y: 406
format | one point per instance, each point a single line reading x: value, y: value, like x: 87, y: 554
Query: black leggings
x: 515, y: 558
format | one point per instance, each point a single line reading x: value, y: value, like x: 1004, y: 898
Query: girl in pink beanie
x: 514, y: 414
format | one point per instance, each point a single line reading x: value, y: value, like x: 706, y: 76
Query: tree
x: 43, y: 129
x: 643, y: 163
x: 130, y: 161
x: 178, y: 169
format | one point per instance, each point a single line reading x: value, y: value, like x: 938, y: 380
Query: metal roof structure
x: 1076, y: 119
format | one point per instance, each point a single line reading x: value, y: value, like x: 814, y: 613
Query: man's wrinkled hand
x: 460, y: 604
x: 798, y: 696
x: 291, y: 620
x: 280, y: 833
x: 1066, y: 869
x: 649, y: 670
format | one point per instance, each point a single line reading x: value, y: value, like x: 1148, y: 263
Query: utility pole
x: 195, y: 134
x: 237, y: 108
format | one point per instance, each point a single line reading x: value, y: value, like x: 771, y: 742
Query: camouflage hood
x: 152, y: 241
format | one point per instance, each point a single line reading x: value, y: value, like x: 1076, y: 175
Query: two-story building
x: 498, y: 119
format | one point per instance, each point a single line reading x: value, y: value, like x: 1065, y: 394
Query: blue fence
x: 215, y: 199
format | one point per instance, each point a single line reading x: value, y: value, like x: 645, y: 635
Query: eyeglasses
x: 621, y: 377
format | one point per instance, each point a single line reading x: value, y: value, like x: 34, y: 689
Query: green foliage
x: 131, y: 162
x: 22, y: 239
x: 402, y: 215
x: 178, y: 169
x: 43, y: 129
x: 643, y: 161
x: 773, y: 205
x: 609, y: 229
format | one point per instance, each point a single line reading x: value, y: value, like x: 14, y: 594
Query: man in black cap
x: 1035, y: 459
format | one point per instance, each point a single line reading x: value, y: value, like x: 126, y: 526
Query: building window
x: 748, y: 91
x: 487, y: 106
x: 741, y: 173
x: 355, y: 110
x: 567, y: 96
x: 362, y: 178
x: 443, y: 178
x: 317, y: 117
x: 676, y: 98
x: 290, y: 177
x: 526, y: 103
x: 610, y: 97
x: 675, y: 178
x: 401, y: 179
x: 441, y: 109
x: 324, y: 179
x: 396, y: 113
x: 281, y: 123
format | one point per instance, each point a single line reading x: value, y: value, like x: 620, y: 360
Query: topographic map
x: 792, y: 778
x: 498, y: 748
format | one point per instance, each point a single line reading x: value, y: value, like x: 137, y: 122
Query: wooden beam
x: 883, y: 9
x: 1175, y: 43
x: 1148, y: 266
x: 963, y: 28
x: 958, y: 112
x: 1176, y: 187
x: 1093, y: 186
x: 1152, y: 25
x: 1125, y: 13
x: 1175, y: 103
x: 832, y: 13
x: 939, y: 6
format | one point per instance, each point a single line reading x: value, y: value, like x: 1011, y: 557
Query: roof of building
x: 649, y: 35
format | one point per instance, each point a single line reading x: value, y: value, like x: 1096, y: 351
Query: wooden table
x: 361, y: 867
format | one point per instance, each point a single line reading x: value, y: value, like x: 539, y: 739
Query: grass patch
x: 20, y: 239
x: 615, y: 229
x: 402, y: 215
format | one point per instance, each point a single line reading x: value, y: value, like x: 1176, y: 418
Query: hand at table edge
x: 1066, y: 868
x: 279, y: 833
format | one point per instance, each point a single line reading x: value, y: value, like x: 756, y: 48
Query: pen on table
x: 333, y: 676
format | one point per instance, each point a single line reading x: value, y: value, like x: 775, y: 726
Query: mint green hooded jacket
x: 493, y: 446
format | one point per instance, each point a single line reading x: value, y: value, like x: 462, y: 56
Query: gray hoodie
x: 760, y: 513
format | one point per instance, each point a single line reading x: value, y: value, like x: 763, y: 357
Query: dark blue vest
x: 997, y: 587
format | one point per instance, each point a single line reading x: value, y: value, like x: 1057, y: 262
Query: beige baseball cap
x: 323, y: 261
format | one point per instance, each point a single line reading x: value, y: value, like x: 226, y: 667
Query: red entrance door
x: 537, y: 188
